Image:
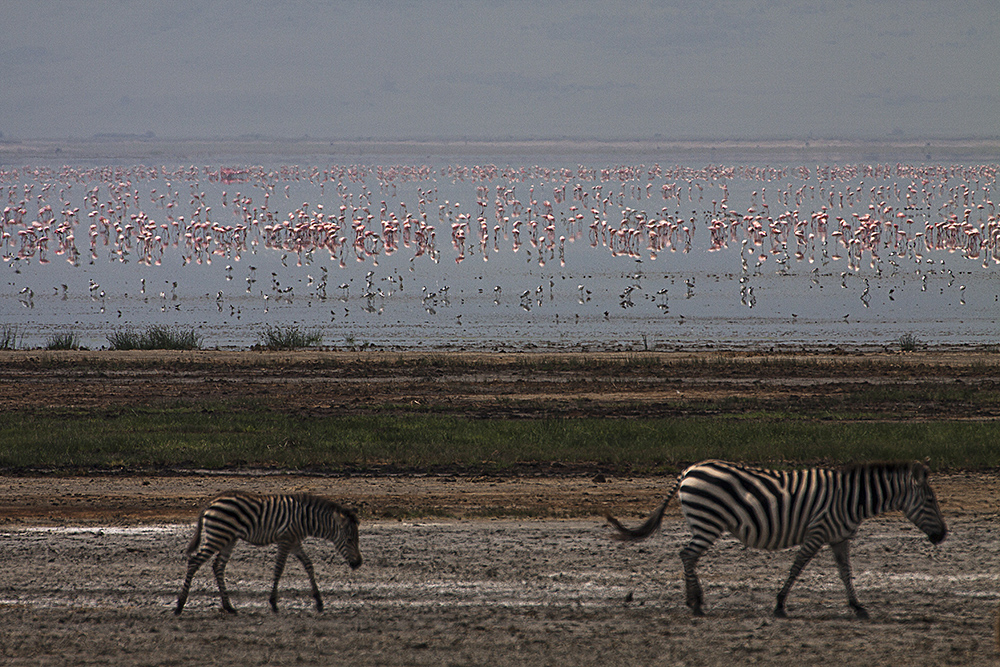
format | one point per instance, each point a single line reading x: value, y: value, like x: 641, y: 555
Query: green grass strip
x: 220, y: 438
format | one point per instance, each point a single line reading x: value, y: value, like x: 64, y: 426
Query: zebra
x: 264, y: 519
x: 771, y: 509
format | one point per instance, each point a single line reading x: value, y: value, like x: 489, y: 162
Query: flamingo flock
x: 875, y: 214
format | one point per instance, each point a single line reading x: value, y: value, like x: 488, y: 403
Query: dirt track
x: 93, y: 562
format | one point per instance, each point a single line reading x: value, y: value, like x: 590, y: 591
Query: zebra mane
x: 888, y: 466
x: 847, y: 468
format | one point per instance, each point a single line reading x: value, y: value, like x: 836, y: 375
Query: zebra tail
x: 649, y: 527
x: 196, y: 540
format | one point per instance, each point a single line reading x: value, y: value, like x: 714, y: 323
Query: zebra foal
x: 771, y: 509
x: 265, y: 519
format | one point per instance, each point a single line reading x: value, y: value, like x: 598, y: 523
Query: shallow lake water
x: 600, y: 251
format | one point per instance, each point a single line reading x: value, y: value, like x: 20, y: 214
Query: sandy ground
x: 88, y: 580
x: 497, y: 592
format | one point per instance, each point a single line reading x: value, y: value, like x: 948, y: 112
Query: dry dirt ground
x: 92, y: 563
x: 502, y: 384
x: 473, y: 591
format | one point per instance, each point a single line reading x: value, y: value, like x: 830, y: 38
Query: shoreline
x: 832, y: 149
x: 951, y: 353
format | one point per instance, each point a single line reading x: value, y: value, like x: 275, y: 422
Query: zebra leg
x: 194, y: 562
x: 689, y: 557
x: 841, y: 552
x: 307, y: 564
x: 279, y: 566
x: 809, y: 549
x: 219, y: 567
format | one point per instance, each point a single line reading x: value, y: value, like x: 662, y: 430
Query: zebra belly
x: 261, y: 536
x: 755, y: 540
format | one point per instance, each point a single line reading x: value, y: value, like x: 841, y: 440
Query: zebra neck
x: 318, y: 524
x: 311, y: 524
x: 870, y: 491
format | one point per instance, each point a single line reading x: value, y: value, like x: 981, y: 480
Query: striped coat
x: 771, y: 509
x: 266, y: 519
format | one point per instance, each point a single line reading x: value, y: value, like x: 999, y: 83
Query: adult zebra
x: 772, y: 509
x: 265, y: 519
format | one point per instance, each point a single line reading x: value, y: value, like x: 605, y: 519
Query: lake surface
x: 602, y: 250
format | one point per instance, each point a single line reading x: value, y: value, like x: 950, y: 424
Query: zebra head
x: 346, y: 539
x: 920, y: 505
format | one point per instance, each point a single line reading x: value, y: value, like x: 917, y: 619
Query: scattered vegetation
x: 154, y: 338
x: 351, y: 343
x: 8, y: 337
x: 288, y: 338
x: 63, y: 341
x: 908, y: 343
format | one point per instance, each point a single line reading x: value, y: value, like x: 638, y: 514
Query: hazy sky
x: 493, y: 70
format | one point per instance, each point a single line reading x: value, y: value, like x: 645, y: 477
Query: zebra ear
x: 919, y: 471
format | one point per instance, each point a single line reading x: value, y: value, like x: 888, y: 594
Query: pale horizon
x: 504, y: 71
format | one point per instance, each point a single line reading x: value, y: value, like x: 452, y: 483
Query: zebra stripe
x: 266, y: 519
x: 772, y: 509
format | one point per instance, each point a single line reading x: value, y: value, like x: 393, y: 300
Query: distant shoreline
x: 14, y: 153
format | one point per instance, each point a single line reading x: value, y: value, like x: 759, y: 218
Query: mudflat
x: 498, y: 384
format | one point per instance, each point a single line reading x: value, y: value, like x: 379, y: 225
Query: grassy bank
x: 217, y: 437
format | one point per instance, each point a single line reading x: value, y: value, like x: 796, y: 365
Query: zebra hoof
x: 779, y: 612
x: 861, y: 613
